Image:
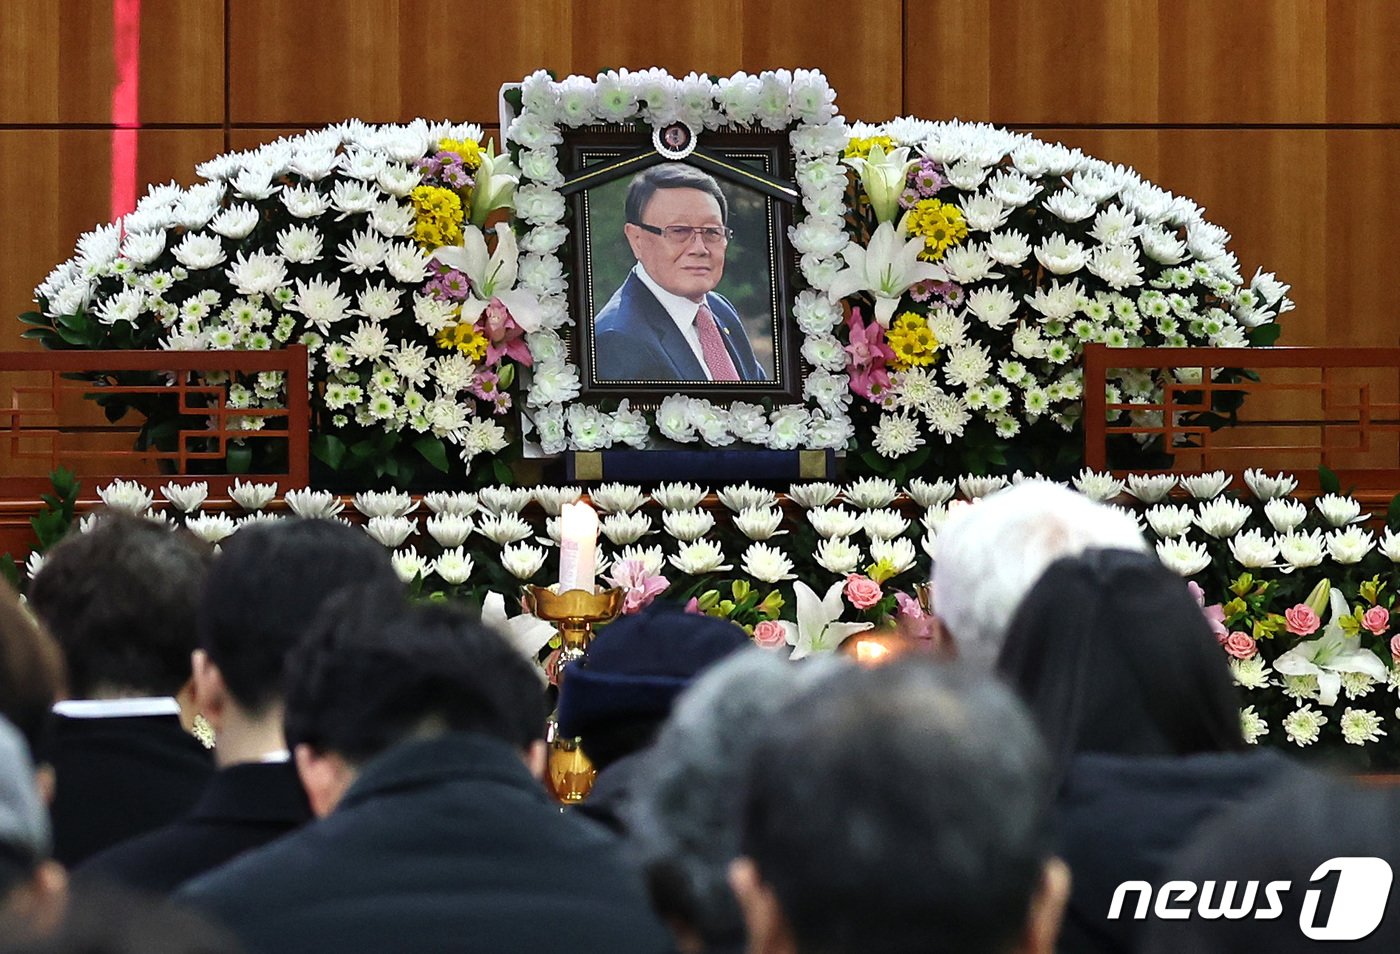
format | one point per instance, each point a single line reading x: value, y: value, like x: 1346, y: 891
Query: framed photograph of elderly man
x: 682, y: 275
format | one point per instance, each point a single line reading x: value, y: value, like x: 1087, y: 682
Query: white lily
x: 1331, y: 655
x: 883, y: 177
x: 526, y: 632
x: 496, y: 179
x: 818, y: 629
x: 492, y: 275
x: 886, y: 268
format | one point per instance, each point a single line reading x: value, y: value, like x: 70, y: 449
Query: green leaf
x: 1392, y: 517
x: 65, y: 482
x: 433, y: 451
x: 33, y: 318
x: 9, y: 569
x: 329, y: 450
x: 502, y: 472
x: 46, y: 336
x: 1265, y: 334
x: 1328, y: 481
x: 240, y: 458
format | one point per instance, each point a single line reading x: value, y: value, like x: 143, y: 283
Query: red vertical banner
x: 126, y: 58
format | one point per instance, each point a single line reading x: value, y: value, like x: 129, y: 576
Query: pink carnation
x: 1241, y: 645
x: 862, y: 591
x: 1376, y: 620
x: 770, y: 635
x: 867, y: 353
x: 1301, y: 619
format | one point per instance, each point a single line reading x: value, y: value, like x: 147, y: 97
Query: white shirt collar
x: 682, y: 312
x: 116, y: 708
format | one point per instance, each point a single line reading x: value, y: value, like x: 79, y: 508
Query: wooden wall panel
x: 1361, y: 236
x: 1362, y: 37
x: 58, y: 65
x: 54, y: 183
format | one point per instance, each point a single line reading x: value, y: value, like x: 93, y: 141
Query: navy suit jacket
x: 635, y: 339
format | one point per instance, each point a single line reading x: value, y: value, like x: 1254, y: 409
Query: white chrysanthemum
x: 1069, y: 206
x: 767, y: 564
x: 499, y: 500
x: 552, y: 499
x: 833, y: 521
x: 618, y: 498
x: 1061, y: 256
x: 363, y: 252
x: 458, y: 502
x: 1058, y: 302
x: 143, y: 248
x: 838, y: 555
x: 1251, y: 673
x: 522, y: 560
x: 897, y: 554
x: 313, y: 504
x: 947, y: 414
x: 409, y: 565
x: 504, y: 528
x: 870, y: 493
x: 934, y: 493
x: 983, y: 213
x: 1356, y: 685
x: 320, y: 302
x: 1285, y: 515
x: 454, y: 566
x: 624, y: 528
x: 304, y: 202
x: 745, y: 496
x: 187, y: 498
x: 211, y: 527
x: 1350, y: 545
x: 1337, y: 510
x: 1268, y: 488
x: 994, y: 306
x: 975, y: 486
x: 251, y: 496
x: 1360, y: 726
x: 700, y: 557
x: 127, y: 496
x: 687, y: 525
x: 1206, y: 486
x: 948, y: 327
x: 1252, y: 725
x: 197, y: 251
x: 1300, y: 550
x: 1222, y: 517
x: 815, y: 494
x: 759, y: 523
x: 259, y: 517
x: 1303, y: 726
x: 897, y: 435
x: 1182, y: 556
x: 449, y: 529
x: 883, y: 524
x: 1254, y: 549
x: 391, y: 531
x: 1300, y: 687
x: 1390, y: 546
x: 235, y: 222
x: 1097, y: 486
x: 679, y: 496
x: 966, y: 264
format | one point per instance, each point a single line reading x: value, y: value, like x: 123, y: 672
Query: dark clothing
x: 442, y: 844
x: 612, y: 790
x: 121, y: 777
x: 244, y: 807
x: 1123, y: 818
x: 635, y: 339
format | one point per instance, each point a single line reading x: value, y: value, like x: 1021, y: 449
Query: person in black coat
x: 418, y: 734
x: 1134, y: 697
x: 121, y: 600
x: 263, y: 593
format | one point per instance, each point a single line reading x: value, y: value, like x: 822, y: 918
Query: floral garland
x: 800, y: 101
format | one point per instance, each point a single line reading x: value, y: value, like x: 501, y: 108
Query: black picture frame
x: 598, y: 162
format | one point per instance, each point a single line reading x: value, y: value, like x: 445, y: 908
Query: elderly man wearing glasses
x: 666, y: 322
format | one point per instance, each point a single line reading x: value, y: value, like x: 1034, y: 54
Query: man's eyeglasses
x: 682, y: 234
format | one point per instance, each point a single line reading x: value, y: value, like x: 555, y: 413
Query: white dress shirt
x: 682, y: 312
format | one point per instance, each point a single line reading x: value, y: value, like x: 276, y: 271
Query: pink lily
x: 642, y: 587
x: 868, y: 353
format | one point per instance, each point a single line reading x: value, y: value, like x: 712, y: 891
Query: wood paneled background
x: 1281, y: 117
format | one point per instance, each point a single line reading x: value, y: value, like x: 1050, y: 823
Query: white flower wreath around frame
x: 800, y: 101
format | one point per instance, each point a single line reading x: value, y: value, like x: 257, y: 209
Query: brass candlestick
x: 574, y: 613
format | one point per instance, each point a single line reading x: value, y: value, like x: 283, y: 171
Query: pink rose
x: 770, y: 635
x: 1376, y: 620
x: 1302, y: 621
x: 862, y: 591
x: 1241, y: 645
x: 1395, y: 648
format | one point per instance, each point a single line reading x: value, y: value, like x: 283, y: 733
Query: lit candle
x: 578, y: 547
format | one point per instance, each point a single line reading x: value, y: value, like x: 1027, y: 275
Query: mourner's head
x: 678, y: 227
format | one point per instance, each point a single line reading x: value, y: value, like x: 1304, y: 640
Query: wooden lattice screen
x: 49, y: 417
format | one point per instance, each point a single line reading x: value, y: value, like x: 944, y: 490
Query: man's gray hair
x: 991, y: 553
x: 683, y: 815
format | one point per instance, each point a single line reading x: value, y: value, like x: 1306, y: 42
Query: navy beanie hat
x: 637, y: 665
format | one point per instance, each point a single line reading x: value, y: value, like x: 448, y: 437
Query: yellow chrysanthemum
x: 880, y: 571
x: 939, y: 223
x: 438, y: 217
x: 464, y: 337
x: 912, y: 342
x: 468, y: 149
x: 860, y: 148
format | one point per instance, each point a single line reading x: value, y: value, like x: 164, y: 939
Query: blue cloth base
x: 706, y: 466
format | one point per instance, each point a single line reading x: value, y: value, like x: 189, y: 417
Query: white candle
x: 578, y: 547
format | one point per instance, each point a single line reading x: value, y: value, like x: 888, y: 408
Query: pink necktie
x: 717, y: 360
